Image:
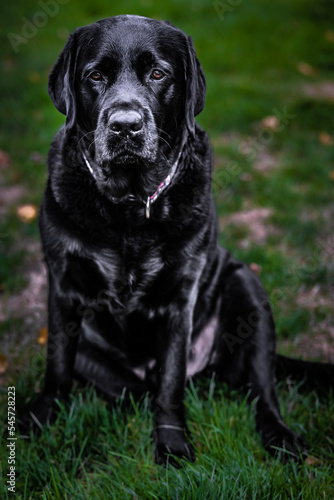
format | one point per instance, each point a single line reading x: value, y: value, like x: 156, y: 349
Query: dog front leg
x: 170, y: 429
x: 63, y: 333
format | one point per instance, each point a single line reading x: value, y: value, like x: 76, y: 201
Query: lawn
x: 270, y: 115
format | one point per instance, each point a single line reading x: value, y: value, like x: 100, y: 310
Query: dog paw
x: 171, y: 443
x: 38, y: 413
x: 285, y: 444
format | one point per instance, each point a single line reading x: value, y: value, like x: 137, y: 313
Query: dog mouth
x: 127, y: 173
x: 126, y: 178
x: 125, y: 158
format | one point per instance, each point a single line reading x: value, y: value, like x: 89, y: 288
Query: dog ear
x: 62, y: 80
x: 195, y: 87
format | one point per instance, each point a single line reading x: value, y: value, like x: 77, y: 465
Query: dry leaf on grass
x: 313, y: 460
x: 271, y: 122
x: 3, y: 364
x: 256, y: 268
x: 42, y: 336
x: 329, y: 35
x: 27, y: 213
x: 326, y: 139
x: 5, y: 160
x: 34, y: 77
x: 305, y: 69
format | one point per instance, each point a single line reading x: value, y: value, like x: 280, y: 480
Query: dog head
x: 130, y: 88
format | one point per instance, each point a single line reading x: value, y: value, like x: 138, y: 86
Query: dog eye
x: 157, y: 74
x: 96, y: 76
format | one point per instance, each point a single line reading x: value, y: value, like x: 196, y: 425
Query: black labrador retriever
x: 141, y: 295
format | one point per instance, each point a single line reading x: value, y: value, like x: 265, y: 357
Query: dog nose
x: 125, y: 122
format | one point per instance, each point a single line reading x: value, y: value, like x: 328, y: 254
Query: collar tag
x: 148, y: 207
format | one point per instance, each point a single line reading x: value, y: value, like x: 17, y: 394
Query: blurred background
x: 270, y: 115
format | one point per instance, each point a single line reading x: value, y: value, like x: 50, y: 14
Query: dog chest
x: 107, y: 277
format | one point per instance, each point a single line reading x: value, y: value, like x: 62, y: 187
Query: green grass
x: 251, y: 62
x: 93, y: 451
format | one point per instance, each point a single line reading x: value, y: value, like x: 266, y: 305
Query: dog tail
x: 315, y: 375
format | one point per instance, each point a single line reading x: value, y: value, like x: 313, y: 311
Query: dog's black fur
x: 140, y: 297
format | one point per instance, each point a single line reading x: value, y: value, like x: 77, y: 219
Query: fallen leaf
x: 27, y: 213
x: 3, y: 364
x: 256, y: 268
x: 5, y: 160
x: 8, y: 64
x: 329, y: 35
x: 313, y: 460
x: 42, y: 336
x: 34, y: 77
x: 326, y: 139
x: 271, y: 122
x: 331, y: 175
x: 305, y: 69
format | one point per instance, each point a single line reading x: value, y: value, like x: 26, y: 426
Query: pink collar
x: 161, y: 188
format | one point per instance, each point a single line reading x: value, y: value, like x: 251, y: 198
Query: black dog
x: 141, y: 296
